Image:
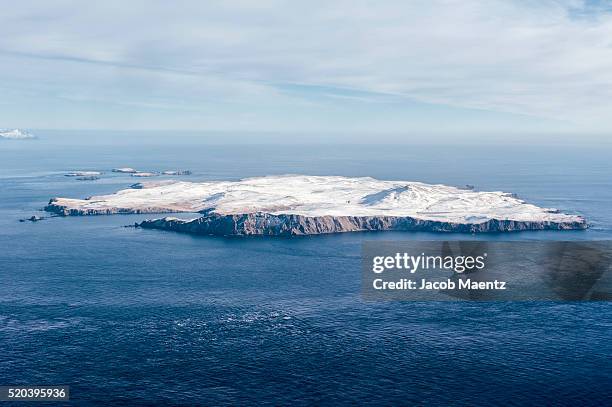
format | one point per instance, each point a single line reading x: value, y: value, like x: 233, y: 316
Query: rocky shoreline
x: 265, y: 224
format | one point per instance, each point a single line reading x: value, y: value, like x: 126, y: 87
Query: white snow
x: 15, y: 134
x: 323, y: 195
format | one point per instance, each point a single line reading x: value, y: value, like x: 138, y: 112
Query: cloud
x: 548, y: 59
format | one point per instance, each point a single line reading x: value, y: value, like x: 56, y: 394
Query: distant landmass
x: 146, y: 174
x: 302, y: 205
x: 83, y: 174
x: 15, y: 134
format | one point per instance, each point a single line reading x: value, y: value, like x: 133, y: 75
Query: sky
x: 430, y: 66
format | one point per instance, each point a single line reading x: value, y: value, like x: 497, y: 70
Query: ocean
x: 145, y: 316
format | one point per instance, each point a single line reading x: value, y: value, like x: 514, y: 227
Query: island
x: 144, y: 174
x: 124, y: 170
x: 15, y: 134
x: 83, y: 174
x: 307, y: 205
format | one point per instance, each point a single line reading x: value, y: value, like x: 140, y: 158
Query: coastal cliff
x: 291, y: 225
x: 59, y: 206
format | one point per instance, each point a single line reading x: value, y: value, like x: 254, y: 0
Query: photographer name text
x: 458, y: 265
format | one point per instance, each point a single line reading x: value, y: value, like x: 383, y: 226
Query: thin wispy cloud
x: 284, y: 63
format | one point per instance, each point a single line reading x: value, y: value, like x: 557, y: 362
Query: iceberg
x: 302, y: 204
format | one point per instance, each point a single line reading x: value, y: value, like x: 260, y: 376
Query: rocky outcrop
x: 266, y: 224
x: 59, y: 208
x: 33, y: 218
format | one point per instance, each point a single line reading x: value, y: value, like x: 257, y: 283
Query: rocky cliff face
x: 290, y: 225
x: 54, y: 206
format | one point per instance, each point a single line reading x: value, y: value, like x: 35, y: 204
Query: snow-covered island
x: 135, y: 173
x: 144, y: 174
x: 125, y: 170
x: 302, y: 205
x: 15, y: 134
x: 82, y: 174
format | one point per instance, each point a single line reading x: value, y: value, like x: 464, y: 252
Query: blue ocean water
x: 144, y: 316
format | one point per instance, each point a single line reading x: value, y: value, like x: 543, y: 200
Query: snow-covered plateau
x: 15, y: 134
x: 299, y: 204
